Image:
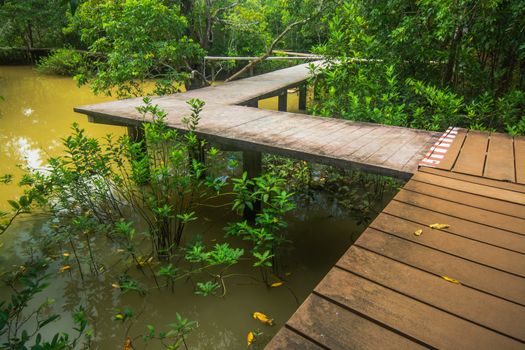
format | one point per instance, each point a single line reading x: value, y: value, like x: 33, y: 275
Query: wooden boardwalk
x: 459, y: 287
x: 389, y: 289
x: 226, y: 120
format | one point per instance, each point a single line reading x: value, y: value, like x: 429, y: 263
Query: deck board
x: 411, y: 317
x: 500, y: 158
x: 477, y: 307
x: 471, y: 159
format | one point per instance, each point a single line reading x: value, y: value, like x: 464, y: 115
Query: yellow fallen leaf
x: 120, y: 250
x: 451, y: 280
x: 249, y: 338
x: 64, y: 268
x: 418, y: 232
x: 119, y: 317
x: 114, y: 285
x: 263, y: 318
x: 65, y: 255
x: 128, y: 345
x: 439, y: 226
x: 276, y: 284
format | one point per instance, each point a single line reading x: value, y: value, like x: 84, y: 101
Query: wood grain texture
x: 288, y: 339
x: 496, y: 314
x: 519, y: 153
x: 417, y: 320
x: 500, y: 158
x: 471, y: 159
x: 453, y: 152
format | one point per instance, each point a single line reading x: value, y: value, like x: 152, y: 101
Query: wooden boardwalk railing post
x: 252, y: 165
x: 283, y: 100
x: 302, y: 97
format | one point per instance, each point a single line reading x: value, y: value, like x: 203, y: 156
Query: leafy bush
x: 67, y: 62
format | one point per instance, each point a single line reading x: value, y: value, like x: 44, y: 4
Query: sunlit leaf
x: 262, y: 318
x: 249, y: 338
x: 276, y: 284
x: 418, y: 232
x: 439, y: 226
x: 451, y: 280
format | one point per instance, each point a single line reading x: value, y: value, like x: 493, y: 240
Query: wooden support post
x: 252, y: 165
x: 251, y: 71
x: 253, y: 103
x: 136, y: 133
x: 302, y: 97
x: 283, y: 100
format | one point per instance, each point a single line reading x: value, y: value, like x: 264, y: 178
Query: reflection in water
x: 37, y: 113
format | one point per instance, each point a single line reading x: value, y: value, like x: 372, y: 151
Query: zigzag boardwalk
x: 388, y: 290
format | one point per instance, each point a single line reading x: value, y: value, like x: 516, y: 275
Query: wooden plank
x: 414, y: 161
x: 459, y: 246
x: 463, y: 185
x: 519, y: 153
x: 482, y: 216
x: 357, y: 143
x: 500, y: 158
x: 475, y: 200
x: 287, y: 339
x: 493, y: 313
x: 402, y: 152
x: 453, y: 151
x: 436, y: 328
x: 476, y: 276
x: 460, y: 227
x: 338, y: 328
x: 388, y: 141
x: 471, y: 159
x: 475, y: 180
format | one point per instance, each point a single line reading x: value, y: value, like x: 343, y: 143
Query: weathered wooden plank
x: 500, y: 158
x: 483, y: 309
x: 519, y: 152
x: 482, y: 216
x: 453, y: 151
x: 436, y: 328
x: 387, y: 141
x: 460, y: 227
x: 461, y: 247
x: 356, y: 144
x: 475, y: 180
x: 463, y: 185
x: 402, y: 151
x: 471, y: 159
x: 288, y: 339
x: 458, y: 196
x: 470, y: 274
x: 413, y: 162
x: 338, y: 328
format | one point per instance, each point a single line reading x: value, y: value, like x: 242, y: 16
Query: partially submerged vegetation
x: 420, y: 64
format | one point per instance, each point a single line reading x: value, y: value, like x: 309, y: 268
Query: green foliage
x: 425, y: 64
x: 132, y: 41
x: 32, y: 23
x: 175, y: 336
x: 206, y: 288
x: 67, y: 62
x: 20, y: 327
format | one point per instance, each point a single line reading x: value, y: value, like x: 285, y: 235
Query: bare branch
x: 270, y: 49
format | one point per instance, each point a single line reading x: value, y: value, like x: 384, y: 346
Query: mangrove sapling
x: 266, y: 233
x: 20, y: 326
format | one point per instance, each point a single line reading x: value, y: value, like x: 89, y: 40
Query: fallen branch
x: 270, y: 49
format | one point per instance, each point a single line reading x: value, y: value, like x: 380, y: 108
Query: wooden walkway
x: 462, y: 287
x: 226, y: 120
x: 459, y: 287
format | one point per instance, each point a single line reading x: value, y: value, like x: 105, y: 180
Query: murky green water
x: 36, y: 114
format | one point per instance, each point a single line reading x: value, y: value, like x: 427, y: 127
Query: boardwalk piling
x: 252, y: 165
x: 283, y: 100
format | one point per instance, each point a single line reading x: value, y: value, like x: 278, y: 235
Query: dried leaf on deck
x: 439, y: 226
x: 418, y: 232
x: 451, y: 280
x: 276, y: 284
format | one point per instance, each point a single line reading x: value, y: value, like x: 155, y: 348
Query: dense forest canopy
x: 418, y: 63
